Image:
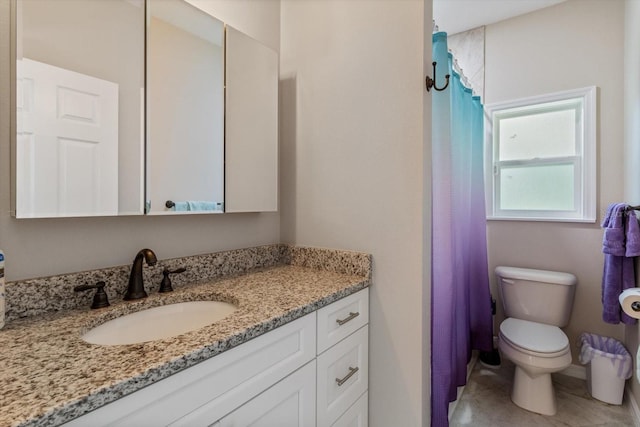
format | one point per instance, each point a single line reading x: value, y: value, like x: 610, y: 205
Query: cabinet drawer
x: 216, y: 386
x: 356, y: 416
x: 336, y: 321
x: 342, y: 376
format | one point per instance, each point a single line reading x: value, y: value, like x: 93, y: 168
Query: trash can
x: 609, y: 364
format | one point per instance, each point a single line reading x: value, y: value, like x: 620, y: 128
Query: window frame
x: 584, y: 161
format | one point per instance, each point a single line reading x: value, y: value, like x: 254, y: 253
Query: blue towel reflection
x: 194, y: 205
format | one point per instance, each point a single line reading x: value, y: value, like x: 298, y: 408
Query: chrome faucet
x: 135, y: 290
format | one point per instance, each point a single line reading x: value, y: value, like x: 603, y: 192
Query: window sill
x: 541, y: 219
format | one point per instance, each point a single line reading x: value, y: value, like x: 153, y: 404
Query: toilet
x: 537, y: 303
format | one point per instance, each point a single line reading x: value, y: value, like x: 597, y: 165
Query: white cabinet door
x: 289, y: 403
x: 251, y: 125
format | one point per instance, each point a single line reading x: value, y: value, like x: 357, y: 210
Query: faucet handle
x: 165, y: 285
x: 100, y: 299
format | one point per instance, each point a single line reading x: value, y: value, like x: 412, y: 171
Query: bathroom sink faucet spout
x: 135, y: 290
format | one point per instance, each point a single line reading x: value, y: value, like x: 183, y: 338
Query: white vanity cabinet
x: 328, y: 391
x: 305, y: 373
x: 206, y: 392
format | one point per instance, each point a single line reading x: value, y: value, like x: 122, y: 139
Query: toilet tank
x: 536, y: 295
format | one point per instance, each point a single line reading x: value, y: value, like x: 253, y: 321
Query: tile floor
x: 485, y: 402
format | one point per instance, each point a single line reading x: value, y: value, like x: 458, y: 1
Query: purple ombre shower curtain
x: 460, y: 299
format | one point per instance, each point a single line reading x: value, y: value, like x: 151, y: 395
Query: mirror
x: 185, y: 109
x: 79, y: 120
x: 81, y: 123
x: 251, y: 125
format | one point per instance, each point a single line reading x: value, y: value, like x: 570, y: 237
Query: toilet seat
x: 536, y: 339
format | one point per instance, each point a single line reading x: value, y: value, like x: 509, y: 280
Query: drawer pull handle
x: 346, y: 377
x: 351, y: 316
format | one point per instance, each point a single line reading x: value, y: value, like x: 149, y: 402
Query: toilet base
x: 534, y: 394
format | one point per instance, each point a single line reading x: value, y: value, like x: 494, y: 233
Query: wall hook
x: 431, y: 82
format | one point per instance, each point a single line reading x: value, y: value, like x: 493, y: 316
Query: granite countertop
x: 48, y: 375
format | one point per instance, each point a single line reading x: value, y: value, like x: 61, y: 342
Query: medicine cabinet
x: 107, y: 124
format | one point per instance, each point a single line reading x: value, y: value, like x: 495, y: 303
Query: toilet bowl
x: 537, y: 303
x: 537, y: 350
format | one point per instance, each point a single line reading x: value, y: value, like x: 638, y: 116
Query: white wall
x: 41, y: 247
x: 574, y: 44
x: 258, y: 19
x: 632, y: 144
x: 468, y: 49
x: 355, y: 139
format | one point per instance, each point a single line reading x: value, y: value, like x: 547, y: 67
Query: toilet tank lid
x: 544, y: 276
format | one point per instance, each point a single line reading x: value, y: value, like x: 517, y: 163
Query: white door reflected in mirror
x: 67, y: 142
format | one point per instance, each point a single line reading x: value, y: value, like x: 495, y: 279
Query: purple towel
x: 613, y: 239
x: 607, y: 216
x: 619, y: 270
x: 632, y: 243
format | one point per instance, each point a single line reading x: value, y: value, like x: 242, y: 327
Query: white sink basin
x: 159, y: 322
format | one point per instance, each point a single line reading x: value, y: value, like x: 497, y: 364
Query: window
x: 540, y: 161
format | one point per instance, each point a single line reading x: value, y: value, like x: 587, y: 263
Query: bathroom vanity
x: 295, y: 349
x: 270, y: 380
